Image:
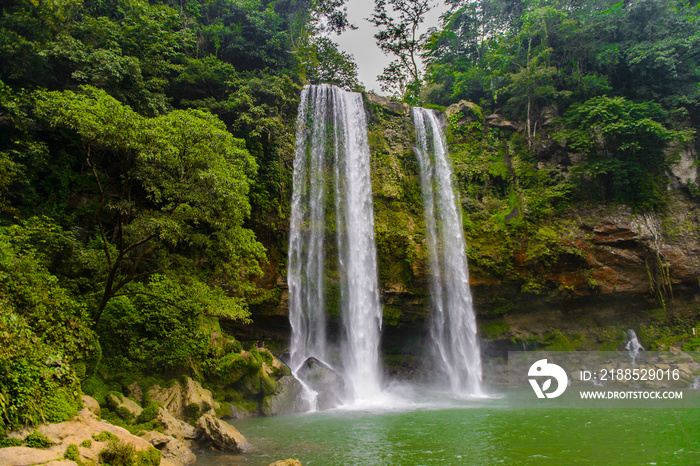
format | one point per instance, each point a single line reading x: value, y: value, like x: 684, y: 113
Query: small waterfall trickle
x: 453, y: 325
x: 633, y: 346
x: 332, y: 159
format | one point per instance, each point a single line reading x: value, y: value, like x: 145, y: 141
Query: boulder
x: 134, y: 391
x: 83, y: 427
x: 21, y: 456
x: 324, y: 380
x: 223, y: 435
x: 466, y: 110
x: 91, y: 404
x: 499, y: 121
x: 287, y: 399
x: 170, y: 448
x: 120, y: 404
x: 287, y: 462
x: 179, y: 397
x: 278, y: 368
x: 175, y: 427
x: 685, y: 170
x: 398, y: 108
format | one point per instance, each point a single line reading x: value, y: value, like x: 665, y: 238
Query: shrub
x: 10, y: 442
x: 36, y: 383
x: 50, y: 310
x: 150, y: 457
x: 87, y: 443
x: 45, y: 340
x: 148, y: 414
x: 118, y: 453
x: 72, y: 453
x: 124, y: 413
x: 95, y: 387
x: 142, y: 335
x: 37, y: 440
x: 105, y: 436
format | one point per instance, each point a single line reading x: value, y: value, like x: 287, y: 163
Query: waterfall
x: 453, y: 324
x: 332, y: 159
x: 305, y: 273
x: 633, y: 346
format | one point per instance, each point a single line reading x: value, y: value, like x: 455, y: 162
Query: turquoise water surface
x: 476, y: 432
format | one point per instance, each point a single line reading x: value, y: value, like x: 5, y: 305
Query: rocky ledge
x: 87, y: 439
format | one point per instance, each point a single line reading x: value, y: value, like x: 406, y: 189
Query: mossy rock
x: 124, y: 413
x: 495, y: 330
x: 113, y: 399
x: 37, y: 440
x: 268, y: 386
x: 192, y: 412
x: 280, y: 370
x: 231, y: 368
x: 250, y: 384
x: 72, y: 453
x: 149, y: 413
x: 265, y: 354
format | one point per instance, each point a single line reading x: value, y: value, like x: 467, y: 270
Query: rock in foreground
x: 223, y: 435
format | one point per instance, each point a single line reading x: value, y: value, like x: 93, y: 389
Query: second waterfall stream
x: 453, y: 323
x: 333, y: 258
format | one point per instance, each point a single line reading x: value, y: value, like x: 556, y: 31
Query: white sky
x: 361, y: 43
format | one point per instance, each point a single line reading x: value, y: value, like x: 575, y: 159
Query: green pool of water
x: 472, y: 433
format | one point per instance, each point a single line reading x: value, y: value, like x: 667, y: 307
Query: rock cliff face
x: 574, y: 270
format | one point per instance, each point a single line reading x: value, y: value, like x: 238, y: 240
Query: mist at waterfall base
x: 332, y: 246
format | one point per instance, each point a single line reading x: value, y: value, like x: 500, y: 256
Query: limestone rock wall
x: 590, y: 260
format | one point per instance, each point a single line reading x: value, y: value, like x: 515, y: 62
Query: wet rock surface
x: 222, y: 435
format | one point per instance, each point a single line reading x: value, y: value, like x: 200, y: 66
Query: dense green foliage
x: 45, y: 338
x: 136, y: 139
x: 553, y: 108
x: 146, y: 160
x: 558, y: 51
x: 620, y: 77
x: 624, y: 143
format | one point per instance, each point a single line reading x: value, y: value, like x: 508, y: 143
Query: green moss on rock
x: 37, y: 440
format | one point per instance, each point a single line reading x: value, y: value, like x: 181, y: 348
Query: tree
x: 394, y: 79
x: 399, y: 36
x: 175, y: 183
x: 528, y: 68
x: 456, y: 54
x: 327, y: 64
x: 624, y: 144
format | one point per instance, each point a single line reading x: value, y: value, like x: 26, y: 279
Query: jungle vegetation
x: 146, y: 153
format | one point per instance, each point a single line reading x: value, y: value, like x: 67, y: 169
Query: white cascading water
x: 361, y: 312
x: 305, y: 273
x: 453, y: 324
x: 633, y: 346
x: 333, y: 120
